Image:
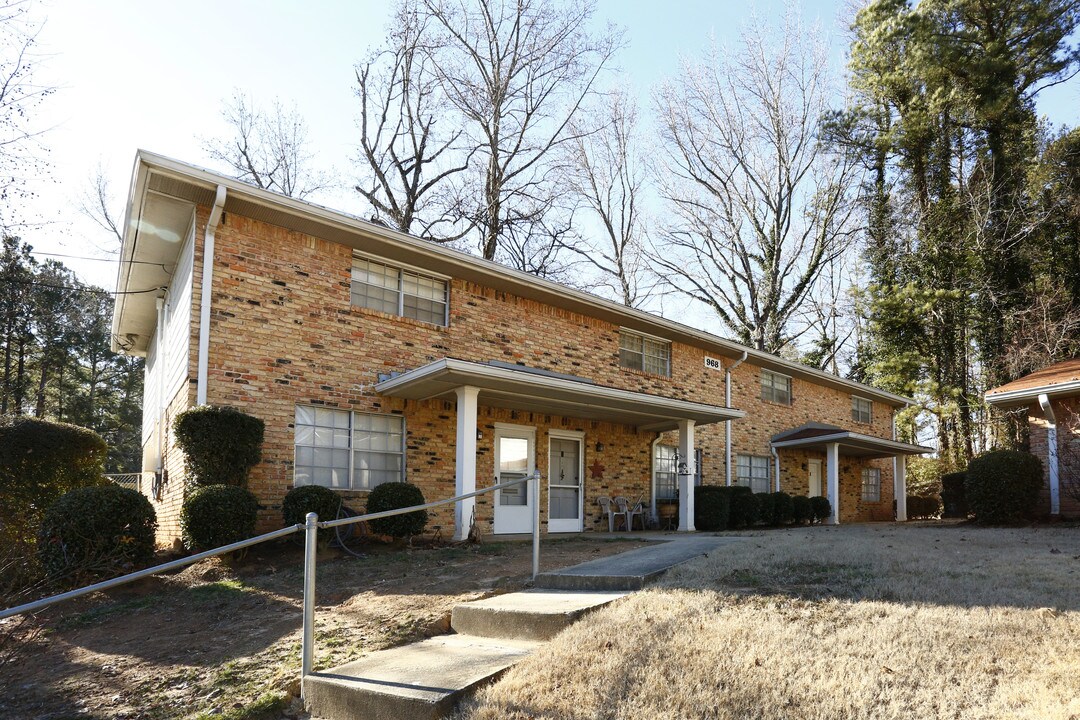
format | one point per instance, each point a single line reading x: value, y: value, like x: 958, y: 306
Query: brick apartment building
x: 374, y: 356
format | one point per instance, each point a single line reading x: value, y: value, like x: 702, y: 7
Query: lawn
x: 222, y: 641
x: 871, y: 621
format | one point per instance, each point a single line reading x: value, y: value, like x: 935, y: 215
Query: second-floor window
x: 862, y: 410
x: 395, y: 291
x: 775, y: 387
x: 647, y: 354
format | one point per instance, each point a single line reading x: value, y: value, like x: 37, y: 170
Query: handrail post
x: 535, y: 482
x: 307, y: 651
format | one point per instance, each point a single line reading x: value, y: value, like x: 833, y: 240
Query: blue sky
x: 152, y: 75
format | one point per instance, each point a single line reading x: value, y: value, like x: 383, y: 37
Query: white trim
x: 146, y: 162
x: 855, y: 397
x: 206, y: 292
x: 632, y: 331
x: 858, y: 437
x: 812, y: 462
x: 574, y: 436
x: 510, y: 427
x: 1072, y: 387
x: 1053, y: 470
x: 361, y: 255
x: 527, y: 433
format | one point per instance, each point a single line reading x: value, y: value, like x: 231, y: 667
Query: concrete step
x: 529, y: 615
x: 422, y: 680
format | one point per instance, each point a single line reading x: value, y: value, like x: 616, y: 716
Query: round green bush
x: 952, y: 495
x: 802, y: 510
x: 745, y: 509
x: 393, y: 496
x: 783, y: 508
x: 217, y: 515
x: 305, y: 499
x: 39, y: 462
x: 1003, y: 486
x: 922, y: 507
x: 220, y: 444
x: 766, y: 513
x: 95, y: 532
x: 822, y: 508
x: 711, y: 508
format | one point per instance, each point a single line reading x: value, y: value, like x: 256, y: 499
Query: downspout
x: 776, y: 462
x: 727, y: 423
x: 159, y: 369
x: 1052, y: 454
x: 206, y: 291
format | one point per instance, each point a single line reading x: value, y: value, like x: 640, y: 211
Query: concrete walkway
x: 428, y: 679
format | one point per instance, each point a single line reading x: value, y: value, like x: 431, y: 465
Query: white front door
x: 565, y: 473
x: 815, y: 477
x: 515, y: 459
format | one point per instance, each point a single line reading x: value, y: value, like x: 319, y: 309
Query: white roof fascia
x: 858, y: 437
x: 1016, y: 397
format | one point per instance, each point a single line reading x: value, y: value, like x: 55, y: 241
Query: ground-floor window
x: 666, y: 470
x: 346, y: 450
x: 752, y: 471
x: 871, y: 485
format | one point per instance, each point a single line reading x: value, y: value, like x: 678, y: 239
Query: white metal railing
x: 310, y: 528
x: 133, y: 481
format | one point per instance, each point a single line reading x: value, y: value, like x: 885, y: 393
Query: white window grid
x: 650, y: 355
x: 862, y: 410
x: 344, y: 450
x: 395, y: 291
x: 775, y: 387
x: 871, y: 485
x: 752, y: 471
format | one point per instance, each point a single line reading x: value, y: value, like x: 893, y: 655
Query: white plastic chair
x: 628, y: 512
x: 605, y: 506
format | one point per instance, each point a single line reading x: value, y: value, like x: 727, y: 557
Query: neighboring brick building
x: 1052, y: 399
x: 375, y: 356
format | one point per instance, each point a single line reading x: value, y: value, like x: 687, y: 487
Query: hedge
x: 952, y: 495
x: 923, y: 507
x: 802, y: 510
x: 304, y: 499
x: 745, y: 507
x: 712, y: 507
x: 766, y: 507
x: 217, y: 515
x: 822, y: 508
x: 39, y: 462
x: 1003, y: 486
x: 220, y: 444
x: 96, y: 532
x: 783, y: 508
x: 394, y: 496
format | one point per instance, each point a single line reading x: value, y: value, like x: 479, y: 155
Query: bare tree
x: 20, y: 94
x: 518, y: 72
x: 411, y: 144
x: 267, y: 149
x: 759, y: 206
x: 96, y: 202
x: 608, y: 174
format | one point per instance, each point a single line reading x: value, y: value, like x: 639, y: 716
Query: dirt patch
x: 223, y: 640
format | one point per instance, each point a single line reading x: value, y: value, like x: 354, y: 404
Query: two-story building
x: 374, y: 356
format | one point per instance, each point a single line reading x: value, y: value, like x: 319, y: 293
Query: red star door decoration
x: 597, y: 469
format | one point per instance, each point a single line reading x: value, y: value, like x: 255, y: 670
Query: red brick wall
x: 283, y: 333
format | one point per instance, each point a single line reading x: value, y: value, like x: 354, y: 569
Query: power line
x: 97, y: 291
x: 85, y: 257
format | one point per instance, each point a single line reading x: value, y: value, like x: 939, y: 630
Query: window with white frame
x: 871, y: 485
x: 666, y: 463
x: 775, y: 387
x: 391, y: 290
x: 752, y: 471
x: 640, y: 352
x: 348, y: 451
x: 862, y: 410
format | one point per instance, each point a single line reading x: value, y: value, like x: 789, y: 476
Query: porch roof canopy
x: 818, y: 436
x: 1055, y: 381
x: 534, y: 390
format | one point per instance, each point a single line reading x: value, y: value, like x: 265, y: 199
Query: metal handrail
x: 311, y: 526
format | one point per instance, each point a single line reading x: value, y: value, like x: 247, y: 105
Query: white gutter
x: 158, y: 358
x: 1012, y: 397
x: 1052, y: 454
x: 727, y: 424
x: 206, y: 291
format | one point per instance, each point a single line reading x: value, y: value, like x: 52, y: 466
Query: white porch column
x: 1052, y: 454
x: 465, y: 468
x: 832, y: 459
x: 900, y: 486
x: 686, y: 480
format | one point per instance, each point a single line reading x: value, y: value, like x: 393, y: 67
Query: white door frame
x: 514, y: 519
x: 571, y: 525
x: 809, y: 464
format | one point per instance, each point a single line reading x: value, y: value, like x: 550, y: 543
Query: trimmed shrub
x: 1003, y: 486
x: 711, y: 508
x: 95, y: 532
x: 220, y: 444
x: 744, y: 505
x: 919, y: 507
x: 952, y: 495
x: 393, y: 496
x: 766, y: 508
x: 216, y: 515
x: 802, y: 510
x: 320, y: 500
x: 822, y: 508
x: 39, y: 462
x: 783, y: 508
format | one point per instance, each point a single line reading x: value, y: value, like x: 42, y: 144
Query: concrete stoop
x: 428, y: 679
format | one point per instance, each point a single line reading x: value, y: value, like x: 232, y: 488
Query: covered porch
x: 831, y: 443
x: 570, y: 452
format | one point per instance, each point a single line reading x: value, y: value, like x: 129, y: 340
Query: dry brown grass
x: 853, y: 622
